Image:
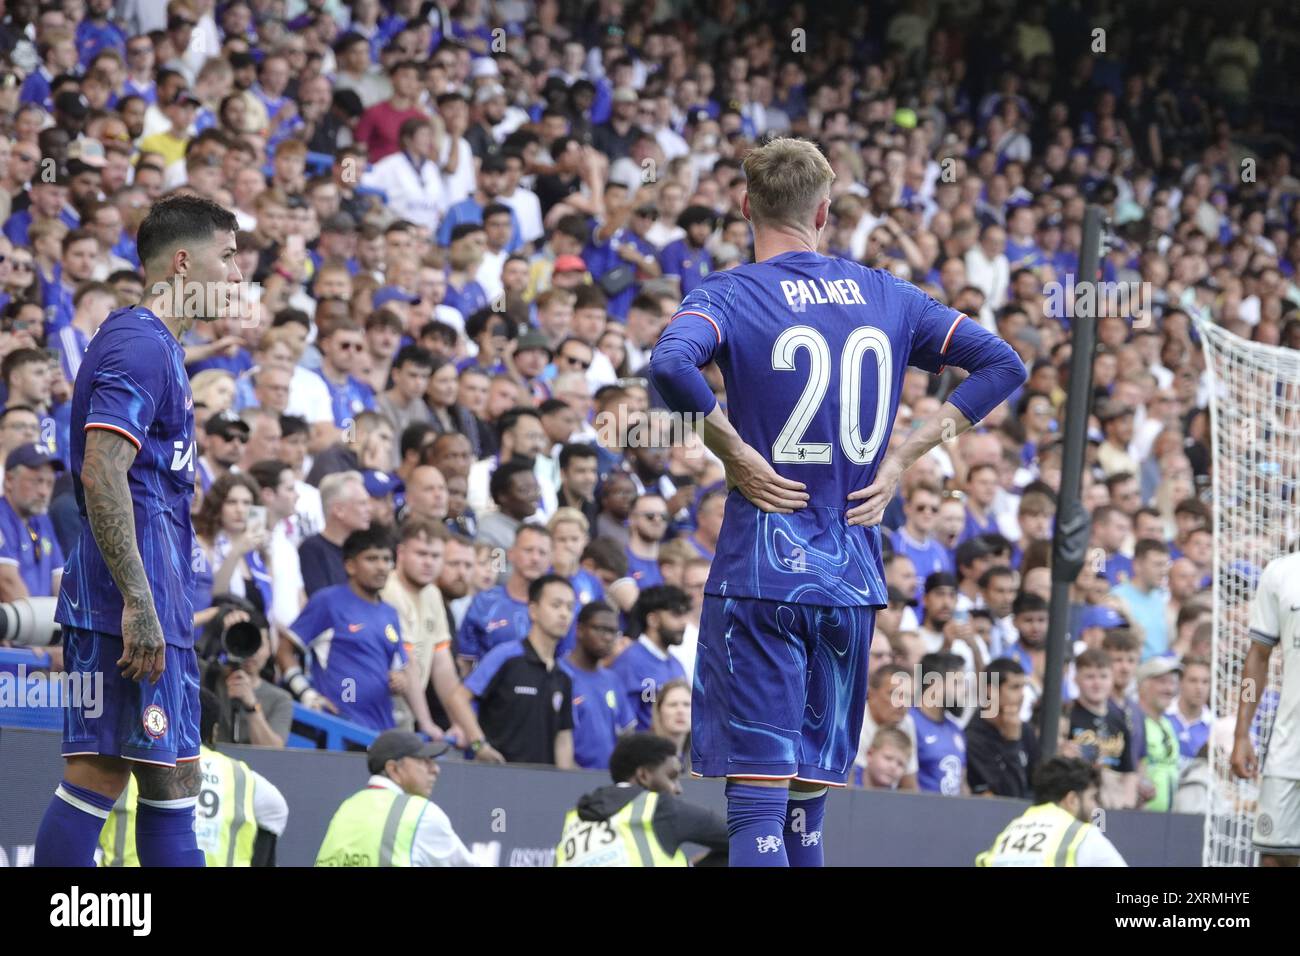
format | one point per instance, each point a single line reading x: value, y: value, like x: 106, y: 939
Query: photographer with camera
x: 234, y: 648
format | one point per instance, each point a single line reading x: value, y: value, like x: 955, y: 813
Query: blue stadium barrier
x: 313, y: 730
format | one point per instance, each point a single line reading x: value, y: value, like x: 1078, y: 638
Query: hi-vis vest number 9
x: 1044, y: 835
x: 375, y: 827
x: 224, y: 822
x: 625, y: 839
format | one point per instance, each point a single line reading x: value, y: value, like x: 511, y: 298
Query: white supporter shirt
x: 464, y: 180
x: 419, y: 196
x: 435, y: 843
x: 286, y: 572
x: 309, y: 397
x: 528, y: 210
x: 1274, y: 620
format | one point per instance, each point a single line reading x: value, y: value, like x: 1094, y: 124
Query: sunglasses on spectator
x: 22, y: 265
x: 235, y: 436
x: 654, y: 515
x: 928, y: 509
x: 352, y: 346
x: 578, y: 362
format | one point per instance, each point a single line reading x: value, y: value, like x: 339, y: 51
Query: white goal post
x: 1255, y: 467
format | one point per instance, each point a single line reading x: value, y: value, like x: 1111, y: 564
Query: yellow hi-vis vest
x: 1044, y: 835
x: 375, y: 827
x: 224, y: 823
x: 625, y: 839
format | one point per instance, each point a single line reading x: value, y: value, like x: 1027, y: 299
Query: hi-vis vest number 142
x: 1044, y: 835
x: 625, y: 839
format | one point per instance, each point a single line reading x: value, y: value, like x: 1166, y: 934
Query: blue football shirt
x: 132, y: 381
x: 600, y: 713
x: 940, y: 754
x: 825, y: 343
x: 354, y: 644
x: 642, y: 670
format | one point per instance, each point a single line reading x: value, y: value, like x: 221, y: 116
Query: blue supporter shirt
x: 1148, y: 610
x: 133, y: 382
x: 603, y: 257
x: 801, y: 330
x: 493, y: 617
x: 644, y: 571
x: 32, y: 547
x: 71, y: 344
x: 926, y: 558
x: 468, y: 210
x: 973, y: 528
x: 691, y: 265
x: 92, y: 38
x: 639, y: 669
x: 1118, y: 569
x: 354, y: 644
x: 940, y: 754
x: 349, y: 399
x: 587, y: 587
x: 1191, y: 735
x: 468, y: 299
x: 600, y: 713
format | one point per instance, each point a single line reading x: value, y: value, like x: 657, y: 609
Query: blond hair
x: 787, y: 180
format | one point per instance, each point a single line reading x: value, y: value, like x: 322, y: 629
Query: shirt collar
x: 649, y: 645
x: 380, y: 782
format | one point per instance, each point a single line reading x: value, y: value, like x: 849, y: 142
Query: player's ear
x: 823, y: 213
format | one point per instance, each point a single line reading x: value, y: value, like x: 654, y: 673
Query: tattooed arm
x: 107, y: 459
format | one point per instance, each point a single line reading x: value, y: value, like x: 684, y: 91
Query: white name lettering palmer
x: 820, y: 292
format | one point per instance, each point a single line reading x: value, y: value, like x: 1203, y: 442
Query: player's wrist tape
x: 296, y: 681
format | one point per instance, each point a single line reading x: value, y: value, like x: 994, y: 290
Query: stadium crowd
x: 428, y: 431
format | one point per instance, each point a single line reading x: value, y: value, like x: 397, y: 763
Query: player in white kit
x: 1274, y: 621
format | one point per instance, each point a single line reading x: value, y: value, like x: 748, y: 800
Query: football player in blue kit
x: 126, y: 598
x: 812, y: 351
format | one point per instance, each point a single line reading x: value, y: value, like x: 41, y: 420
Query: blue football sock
x: 755, y: 819
x: 164, y: 833
x: 70, y: 829
x: 803, y: 827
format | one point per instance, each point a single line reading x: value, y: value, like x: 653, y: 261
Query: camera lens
x: 241, y: 641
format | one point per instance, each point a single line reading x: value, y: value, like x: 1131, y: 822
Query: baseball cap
x: 533, y: 339
x: 380, y: 484
x: 569, y: 264
x: 391, y: 293
x: 940, y: 579
x: 32, y: 456
x: 72, y: 104
x: 489, y: 92
x: 483, y: 67
x: 89, y: 152
x: 185, y: 96
x: 396, y: 744
x: 1100, y: 615
x: 1158, y: 667
x: 222, y: 423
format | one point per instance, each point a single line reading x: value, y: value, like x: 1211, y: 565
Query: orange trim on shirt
x: 113, y: 428
x: 947, y: 341
x: 708, y: 318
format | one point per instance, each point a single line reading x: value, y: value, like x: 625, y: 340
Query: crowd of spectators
x: 422, y: 456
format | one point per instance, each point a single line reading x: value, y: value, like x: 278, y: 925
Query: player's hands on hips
x: 758, y: 481
x: 144, y: 652
x: 876, y: 496
x: 1245, y: 762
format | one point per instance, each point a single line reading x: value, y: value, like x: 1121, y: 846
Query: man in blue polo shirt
x: 31, y: 562
x: 354, y: 639
x: 525, y: 699
x: 646, y: 666
x: 601, y: 711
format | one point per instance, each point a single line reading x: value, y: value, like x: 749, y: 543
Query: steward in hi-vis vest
x: 1056, y: 830
x: 392, y: 822
x: 641, y: 820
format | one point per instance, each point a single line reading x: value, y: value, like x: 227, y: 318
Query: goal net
x: 1255, y: 455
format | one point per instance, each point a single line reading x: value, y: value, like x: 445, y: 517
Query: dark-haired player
x: 125, y: 603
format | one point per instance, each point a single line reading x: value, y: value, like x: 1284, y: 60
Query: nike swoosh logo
x: 355, y: 627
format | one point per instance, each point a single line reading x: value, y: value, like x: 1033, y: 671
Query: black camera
x: 231, y: 645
